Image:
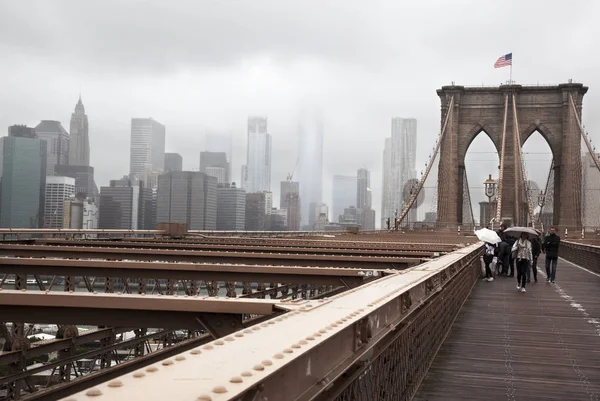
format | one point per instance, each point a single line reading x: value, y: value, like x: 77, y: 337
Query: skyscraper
x: 366, y: 215
x: 310, y: 165
x: 293, y: 211
x: 79, y: 146
x: 173, y: 162
x: 188, y: 197
x: 258, y: 166
x: 125, y: 204
x: 23, y: 179
x: 84, y: 178
x: 231, y: 207
x: 215, y: 160
x: 344, y: 195
x: 399, y: 165
x: 147, y: 153
x: 256, y: 216
x: 57, y: 139
x: 58, y: 190
x: 287, y: 187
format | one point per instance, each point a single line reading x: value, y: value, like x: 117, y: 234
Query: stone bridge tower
x: 546, y: 109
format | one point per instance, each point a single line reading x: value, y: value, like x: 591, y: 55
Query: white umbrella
x: 487, y: 235
x: 517, y: 231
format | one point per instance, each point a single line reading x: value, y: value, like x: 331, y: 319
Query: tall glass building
x: 147, y: 153
x: 256, y: 176
x: 23, y: 182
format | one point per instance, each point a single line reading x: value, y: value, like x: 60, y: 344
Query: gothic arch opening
x: 538, y: 157
x: 481, y: 160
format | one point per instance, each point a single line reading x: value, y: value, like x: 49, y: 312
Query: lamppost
x: 490, y: 191
x: 541, y: 199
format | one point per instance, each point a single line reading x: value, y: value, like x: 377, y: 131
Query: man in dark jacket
x: 505, y: 249
x: 550, y: 248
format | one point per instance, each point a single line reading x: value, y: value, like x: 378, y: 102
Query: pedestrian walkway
x: 506, y: 345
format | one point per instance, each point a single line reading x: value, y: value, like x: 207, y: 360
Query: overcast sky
x: 204, y: 66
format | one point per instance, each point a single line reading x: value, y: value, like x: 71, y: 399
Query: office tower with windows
x: 57, y: 139
x: 147, y: 152
x: 257, y: 171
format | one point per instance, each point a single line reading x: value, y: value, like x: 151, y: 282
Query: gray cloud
x: 207, y: 65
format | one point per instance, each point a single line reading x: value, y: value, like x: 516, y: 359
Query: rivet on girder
x: 204, y: 397
x: 139, y: 374
x: 278, y: 356
x: 296, y: 346
x: 208, y: 347
x: 235, y: 379
x: 310, y: 338
x: 151, y: 369
x: 267, y: 362
x: 219, y: 390
x: 219, y: 342
x: 195, y: 352
x: 168, y: 362
x: 239, y: 334
x: 93, y: 392
x: 246, y: 373
x: 180, y: 358
x: 115, y: 383
x: 259, y: 367
x: 288, y: 351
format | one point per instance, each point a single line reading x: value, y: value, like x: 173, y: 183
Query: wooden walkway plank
x: 506, y: 345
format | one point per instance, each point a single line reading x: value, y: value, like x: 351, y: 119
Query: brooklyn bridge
x: 398, y: 314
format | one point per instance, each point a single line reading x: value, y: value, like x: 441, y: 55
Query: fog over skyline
x: 203, y: 67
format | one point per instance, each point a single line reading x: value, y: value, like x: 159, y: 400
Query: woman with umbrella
x: 522, y: 252
x: 490, y: 238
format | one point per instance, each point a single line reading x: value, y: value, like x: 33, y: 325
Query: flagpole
x: 511, y: 64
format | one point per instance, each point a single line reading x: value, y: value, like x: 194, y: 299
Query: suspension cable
x: 522, y: 164
x: 584, y: 135
x: 420, y: 184
x: 501, y: 170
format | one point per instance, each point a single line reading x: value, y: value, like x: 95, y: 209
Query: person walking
x: 523, y: 255
x: 488, y: 257
x: 550, y: 248
x: 509, y: 266
x: 536, y: 249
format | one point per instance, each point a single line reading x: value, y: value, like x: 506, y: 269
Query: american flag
x: 503, y: 61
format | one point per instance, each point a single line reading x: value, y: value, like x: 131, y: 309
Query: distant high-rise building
x: 58, y: 190
x: 22, y: 179
x: 188, y: 197
x: 591, y: 191
x: 218, y: 172
x: 287, y: 187
x: 344, y: 195
x: 399, y: 165
x: 125, y: 204
x: 84, y: 178
x: 256, y: 216
x: 173, y: 162
x: 366, y: 215
x: 79, y: 146
x: 258, y: 166
x: 80, y: 213
x: 147, y: 148
x: 278, y: 219
x: 58, y: 143
x: 293, y: 211
x: 22, y: 131
x: 215, y: 160
x: 310, y: 164
x: 231, y: 207
x: 220, y: 142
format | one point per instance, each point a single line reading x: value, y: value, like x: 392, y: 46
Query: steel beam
x: 300, y: 355
x: 361, y: 262
x: 190, y: 271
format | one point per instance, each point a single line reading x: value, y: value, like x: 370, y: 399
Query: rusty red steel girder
x: 242, y: 248
x: 141, y: 254
x: 372, y: 342
x: 190, y: 271
x: 258, y: 242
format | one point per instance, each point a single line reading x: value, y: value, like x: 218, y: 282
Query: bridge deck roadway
x: 506, y: 345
